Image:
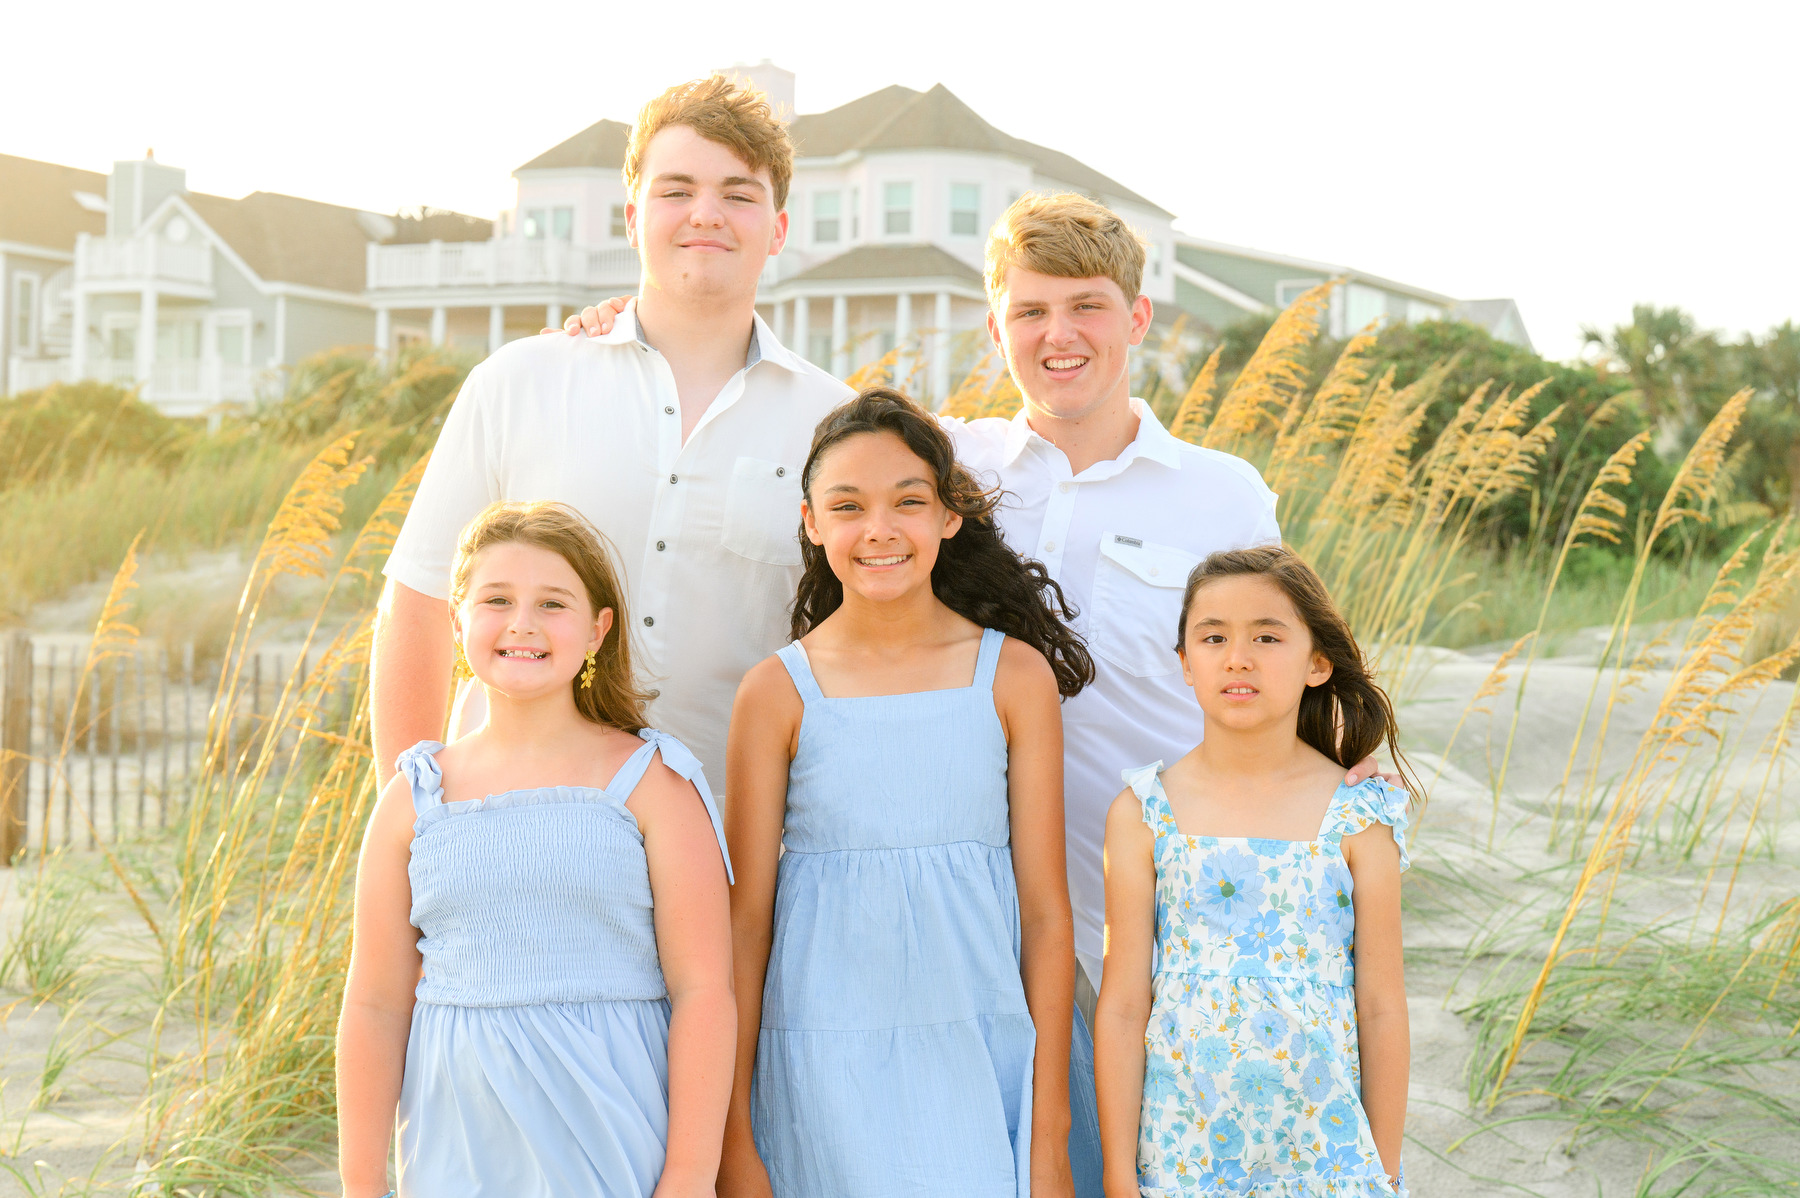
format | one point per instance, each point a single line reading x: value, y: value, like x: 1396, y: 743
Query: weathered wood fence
x: 104, y: 750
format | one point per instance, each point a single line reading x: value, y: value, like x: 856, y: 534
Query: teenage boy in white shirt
x: 680, y: 435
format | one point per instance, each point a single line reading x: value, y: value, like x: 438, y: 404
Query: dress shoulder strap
x: 987, y: 661
x: 420, y: 767
x: 799, y: 668
x: 1146, y: 782
x: 681, y: 759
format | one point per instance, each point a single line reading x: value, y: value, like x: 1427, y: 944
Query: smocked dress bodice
x: 1252, y: 1078
x: 537, y: 1063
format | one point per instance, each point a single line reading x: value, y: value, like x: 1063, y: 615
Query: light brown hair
x: 727, y: 111
x: 1066, y: 236
x: 1346, y: 717
x: 614, y: 699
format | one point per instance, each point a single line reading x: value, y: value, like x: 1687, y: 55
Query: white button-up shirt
x: 1120, y: 538
x: 705, y: 533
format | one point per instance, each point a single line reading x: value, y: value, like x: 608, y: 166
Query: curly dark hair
x: 976, y: 575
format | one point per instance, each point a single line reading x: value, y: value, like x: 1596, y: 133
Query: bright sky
x: 1577, y: 156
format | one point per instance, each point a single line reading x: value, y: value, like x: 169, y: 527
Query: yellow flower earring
x: 587, y: 675
x: 459, y: 666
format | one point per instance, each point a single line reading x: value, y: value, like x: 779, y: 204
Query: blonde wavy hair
x: 615, y: 698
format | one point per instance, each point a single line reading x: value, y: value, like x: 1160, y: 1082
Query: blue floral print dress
x: 1252, y: 1083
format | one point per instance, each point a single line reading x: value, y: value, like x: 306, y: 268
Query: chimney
x: 134, y: 189
x: 771, y: 80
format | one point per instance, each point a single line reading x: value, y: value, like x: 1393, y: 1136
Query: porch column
x: 78, y: 336
x: 940, y: 353
x: 800, y: 325
x: 146, y: 340
x: 902, y: 331
x: 384, y: 333
x: 553, y: 316
x: 840, y: 335
x: 440, y: 321
x: 496, y: 328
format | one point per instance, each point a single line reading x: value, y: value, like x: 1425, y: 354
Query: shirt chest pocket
x: 1137, y: 603
x: 762, y: 512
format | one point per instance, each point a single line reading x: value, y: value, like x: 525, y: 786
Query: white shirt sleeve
x: 459, y: 482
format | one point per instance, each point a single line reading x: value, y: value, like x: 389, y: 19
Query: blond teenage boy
x: 680, y: 435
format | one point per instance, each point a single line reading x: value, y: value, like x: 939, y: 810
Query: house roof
x: 894, y: 118
x: 890, y: 262
x: 899, y: 118
x: 434, y: 224
x: 38, y: 205
x: 290, y: 240
x: 1326, y: 269
x: 601, y: 144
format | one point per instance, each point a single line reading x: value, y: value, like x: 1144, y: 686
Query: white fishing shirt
x: 1120, y: 538
x: 705, y: 533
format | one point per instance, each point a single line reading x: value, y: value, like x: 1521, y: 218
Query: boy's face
x: 703, y: 222
x: 1067, y: 341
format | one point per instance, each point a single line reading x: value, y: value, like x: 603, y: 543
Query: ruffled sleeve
x: 420, y: 768
x: 1375, y: 802
x: 1158, y: 817
x: 681, y: 759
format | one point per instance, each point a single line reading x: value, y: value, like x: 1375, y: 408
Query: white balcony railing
x: 143, y: 260
x: 499, y: 263
x: 34, y: 374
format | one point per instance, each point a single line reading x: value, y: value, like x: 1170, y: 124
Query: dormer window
x: 897, y: 209
x: 534, y: 225
x: 562, y: 224
x: 827, y: 219
x: 965, y: 209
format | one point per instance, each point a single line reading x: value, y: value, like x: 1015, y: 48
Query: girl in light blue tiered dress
x: 539, y: 995
x: 1251, y: 1034
x: 905, y: 970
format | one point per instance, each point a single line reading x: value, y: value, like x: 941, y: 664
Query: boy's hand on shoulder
x: 595, y: 321
x: 1368, y: 768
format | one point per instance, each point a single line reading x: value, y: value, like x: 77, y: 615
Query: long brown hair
x: 976, y: 575
x: 1347, y: 717
x: 614, y: 698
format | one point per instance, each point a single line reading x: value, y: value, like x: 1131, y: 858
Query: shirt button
x: 1049, y: 546
x: 1064, y: 488
x: 1154, y: 571
x: 661, y: 545
x: 673, y: 479
x: 780, y: 471
x: 668, y: 411
x: 649, y: 621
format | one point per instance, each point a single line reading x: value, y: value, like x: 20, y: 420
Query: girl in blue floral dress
x: 1251, y: 1033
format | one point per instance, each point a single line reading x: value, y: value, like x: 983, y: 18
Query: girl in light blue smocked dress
x: 910, y: 1032
x: 1251, y: 1030
x: 539, y: 996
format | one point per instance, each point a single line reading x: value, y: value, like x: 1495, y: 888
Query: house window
x: 1362, y: 305
x: 121, y: 342
x: 562, y: 224
x: 1289, y: 290
x: 1156, y: 259
x: 25, y: 314
x: 618, y: 222
x: 965, y: 209
x: 855, y: 214
x: 896, y: 205
x: 1419, y: 310
x: 825, y: 216
x: 231, y: 340
x: 535, y: 224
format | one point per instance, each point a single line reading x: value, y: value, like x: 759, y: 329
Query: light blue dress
x: 895, y: 1054
x: 1252, y: 1079
x: 537, y: 1066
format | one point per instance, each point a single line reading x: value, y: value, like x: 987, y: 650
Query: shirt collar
x: 1153, y: 441
x: 763, y: 345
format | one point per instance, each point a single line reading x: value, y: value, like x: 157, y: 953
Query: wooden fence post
x: 15, y: 744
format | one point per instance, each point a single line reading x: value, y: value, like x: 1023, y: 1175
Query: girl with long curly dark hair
x: 905, y: 971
